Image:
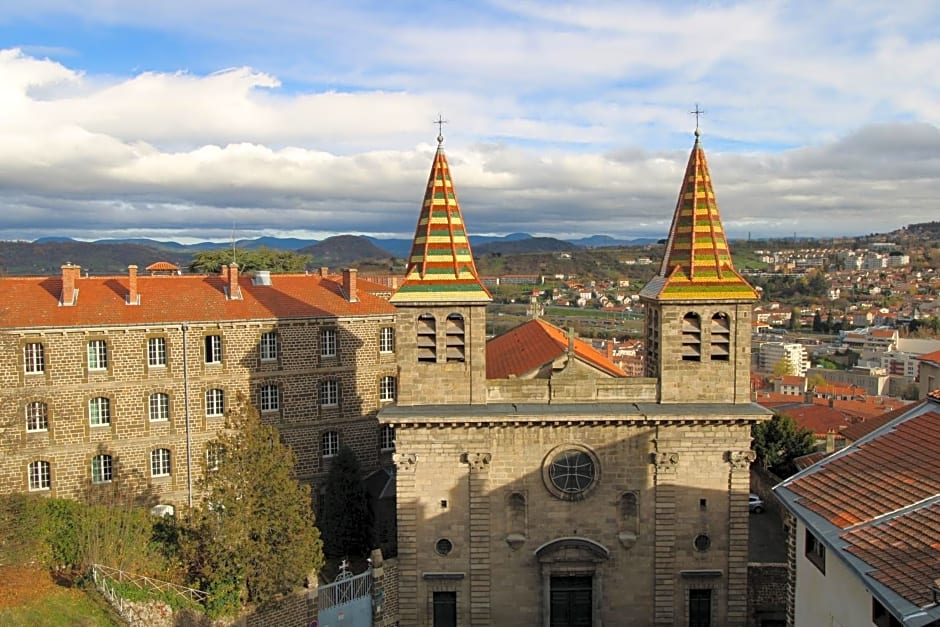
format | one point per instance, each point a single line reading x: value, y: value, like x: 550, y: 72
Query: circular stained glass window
x: 444, y: 546
x: 570, y: 471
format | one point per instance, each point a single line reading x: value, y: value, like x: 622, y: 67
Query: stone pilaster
x: 407, y: 537
x: 739, y: 480
x: 479, y: 519
x: 790, y: 523
x: 664, y: 577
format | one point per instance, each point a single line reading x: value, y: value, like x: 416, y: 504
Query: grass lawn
x: 30, y: 597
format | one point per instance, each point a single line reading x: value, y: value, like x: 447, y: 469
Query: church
x: 538, y: 485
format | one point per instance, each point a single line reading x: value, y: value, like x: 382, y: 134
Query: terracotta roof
x: 32, y: 302
x: 440, y: 266
x: 535, y: 344
x: 162, y: 266
x: 872, y: 477
x: 904, y: 551
x: 819, y: 420
x: 697, y: 263
x: 879, y: 501
x: 859, y: 430
x: 805, y: 461
x: 931, y: 357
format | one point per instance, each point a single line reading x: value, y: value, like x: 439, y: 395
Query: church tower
x: 698, y: 308
x: 441, y: 340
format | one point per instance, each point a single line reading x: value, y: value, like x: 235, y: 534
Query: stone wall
x: 766, y: 592
x: 580, y: 390
x: 67, y: 385
x: 659, y: 486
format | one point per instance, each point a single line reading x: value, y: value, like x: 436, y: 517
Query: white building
x: 771, y: 353
x: 863, y: 523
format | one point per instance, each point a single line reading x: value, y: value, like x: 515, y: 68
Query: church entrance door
x: 571, y: 601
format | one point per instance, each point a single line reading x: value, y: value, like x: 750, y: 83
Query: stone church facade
x: 559, y: 493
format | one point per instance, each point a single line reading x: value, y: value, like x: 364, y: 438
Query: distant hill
x: 606, y: 241
x: 517, y: 246
x: 344, y: 250
x: 46, y: 258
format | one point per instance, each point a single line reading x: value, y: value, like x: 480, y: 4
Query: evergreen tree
x: 779, y: 441
x: 817, y: 322
x: 346, y: 518
x: 253, y: 534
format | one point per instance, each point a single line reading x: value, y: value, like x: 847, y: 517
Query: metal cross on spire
x: 440, y: 121
x: 697, y: 113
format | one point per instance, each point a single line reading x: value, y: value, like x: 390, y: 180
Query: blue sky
x: 178, y: 119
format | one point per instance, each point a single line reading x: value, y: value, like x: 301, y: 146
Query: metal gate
x: 347, y: 602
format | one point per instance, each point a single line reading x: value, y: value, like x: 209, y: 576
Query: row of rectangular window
x: 102, y: 465
x: 158, y: 404
x: 39, y: 472
x: 34, y: 359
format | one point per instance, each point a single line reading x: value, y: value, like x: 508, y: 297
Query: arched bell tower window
x: 721, y: 337
x: 455, y: 337
x: 427, y: 337
x: 691, y: 337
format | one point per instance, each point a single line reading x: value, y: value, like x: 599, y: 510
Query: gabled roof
x: 876, y: 505
x: 933, y: 357
x: 535, y: 344
x: 440, y: 266
x: 697, y: 262
x: 33, y: 302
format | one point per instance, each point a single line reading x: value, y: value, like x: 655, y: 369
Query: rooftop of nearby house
x: 535, y: 344
x: 876, y: 505
x: 37, y: 302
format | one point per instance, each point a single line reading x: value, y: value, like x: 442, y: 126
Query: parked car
x: 755, y: 504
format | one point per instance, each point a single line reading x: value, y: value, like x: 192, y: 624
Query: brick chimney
x: 324, y: 271
x: 610, y: 350
x: 349, y: 284
x: 223, y: 272
x: 234, y: 292
x: 133, y: 296
x: 69, y: 292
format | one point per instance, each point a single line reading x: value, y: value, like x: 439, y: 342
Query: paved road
x: 766, y: 541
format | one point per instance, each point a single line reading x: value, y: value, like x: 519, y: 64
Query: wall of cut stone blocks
x: 67, y: 385
x: 438, y: 502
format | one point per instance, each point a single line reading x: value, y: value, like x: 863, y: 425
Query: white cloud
x: 564, y: 118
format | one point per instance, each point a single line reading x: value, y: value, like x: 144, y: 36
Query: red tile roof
x: 894, y: 470
x: 820, y: 420
x: 932, y: 357
x: 534, y: 344
x: 879, y: 501
x: 858, y: 430
x: 162, y: 266
x: 34, y: 301
x: 904, y: 551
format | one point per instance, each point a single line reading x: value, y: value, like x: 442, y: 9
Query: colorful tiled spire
x: 697, y: 263
x: 440, y: 266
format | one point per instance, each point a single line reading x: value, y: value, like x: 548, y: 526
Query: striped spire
x: 697, y: 262
x: 440, y: 266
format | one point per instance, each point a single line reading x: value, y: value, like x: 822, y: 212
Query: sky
x: 200, y: 119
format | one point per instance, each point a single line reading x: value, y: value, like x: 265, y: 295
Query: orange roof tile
x: 904, y: 551
x: 894, y: 470
x: 162, y: 266
x: 535, y: 344
x: 858, y: 430
x: 31, y: 302
x: 931, y: 357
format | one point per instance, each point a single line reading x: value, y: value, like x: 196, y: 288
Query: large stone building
x: 539, y: 486
x: 120, y: 379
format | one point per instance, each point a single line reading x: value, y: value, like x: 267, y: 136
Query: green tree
x: 252, y: 535
x: 779, y: 441
x: 346, y: 519
x: 783, y: 367
x: 263, y: 258
x: 817, y: 322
